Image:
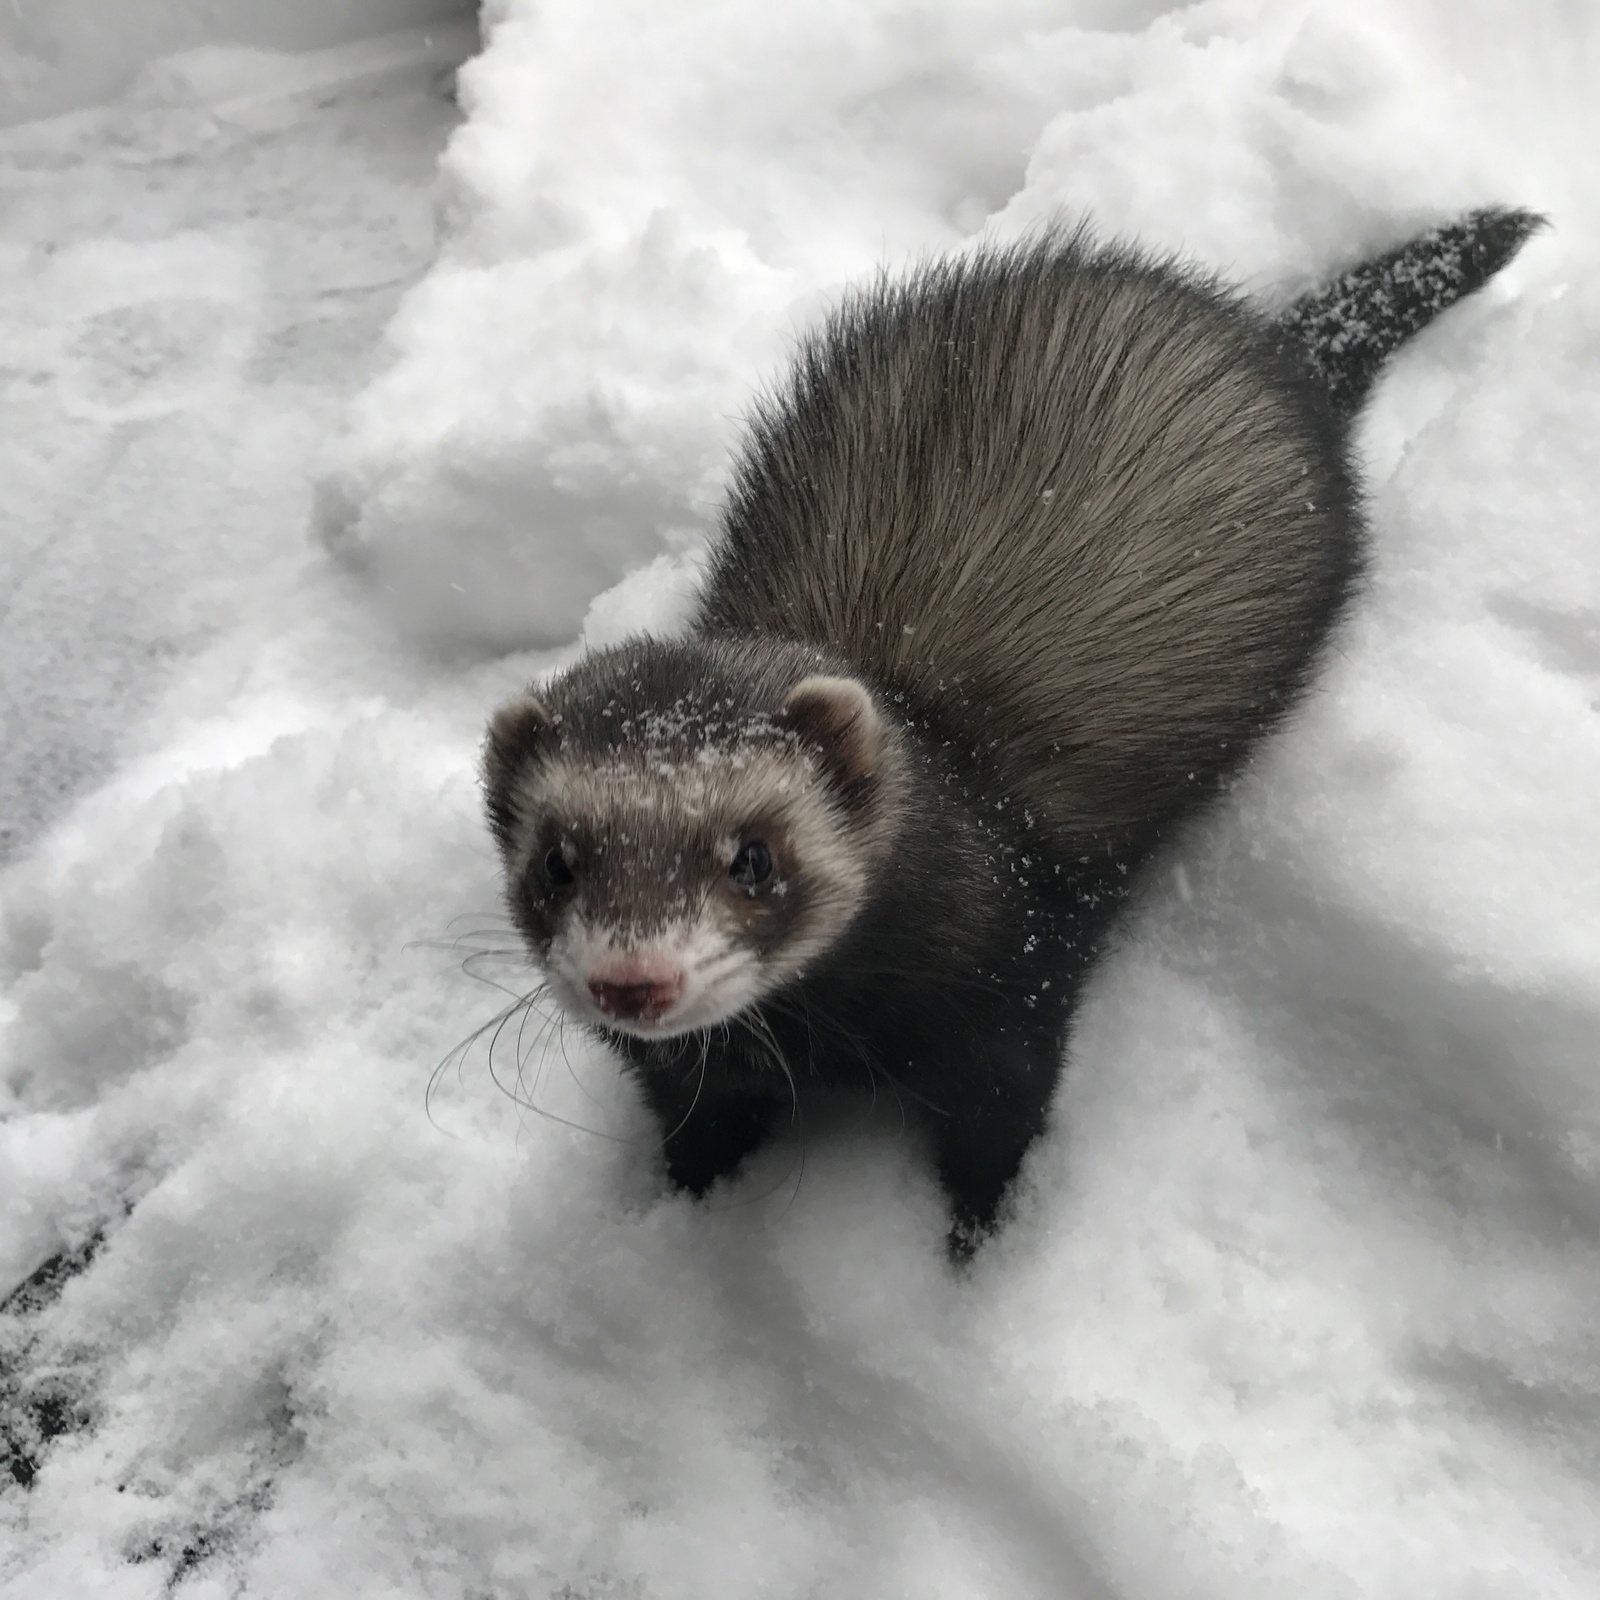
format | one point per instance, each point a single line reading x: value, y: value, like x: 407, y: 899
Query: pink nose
x: 636, y: 998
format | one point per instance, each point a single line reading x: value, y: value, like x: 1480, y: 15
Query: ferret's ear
x: 518, y: 731
x: 837, y: 718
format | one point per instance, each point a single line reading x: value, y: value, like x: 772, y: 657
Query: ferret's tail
x: 1346, y: 331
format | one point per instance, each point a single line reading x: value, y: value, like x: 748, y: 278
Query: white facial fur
x: 720, y: 976
x: 652, y: 901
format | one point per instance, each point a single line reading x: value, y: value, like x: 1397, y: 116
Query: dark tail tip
x: 1346, y: 331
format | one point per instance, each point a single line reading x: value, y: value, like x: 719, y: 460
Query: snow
x: 1303, y: 1291
x: 61, y: 55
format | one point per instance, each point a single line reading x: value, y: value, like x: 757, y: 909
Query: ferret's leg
x: 706, y: 1137
x: 982, y: 1142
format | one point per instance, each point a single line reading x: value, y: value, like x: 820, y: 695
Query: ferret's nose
x: 637, y: 999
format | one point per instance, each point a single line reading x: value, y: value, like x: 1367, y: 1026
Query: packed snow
x: 1302, y: 1296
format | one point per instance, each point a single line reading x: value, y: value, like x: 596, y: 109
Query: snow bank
x: 1302, y: 1294
x: 647, y: 202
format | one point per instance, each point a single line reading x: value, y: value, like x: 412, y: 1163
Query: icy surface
x: 1303, y: 1296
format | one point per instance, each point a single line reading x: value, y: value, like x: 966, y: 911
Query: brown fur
x: 1073, y: 498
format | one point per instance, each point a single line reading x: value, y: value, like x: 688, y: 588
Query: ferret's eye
x: 752, y: 866
x: 557, y: 869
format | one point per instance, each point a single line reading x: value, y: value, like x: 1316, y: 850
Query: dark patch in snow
x: 189, y: 1549
x: 42, y: 1397
x: 185, y: 1544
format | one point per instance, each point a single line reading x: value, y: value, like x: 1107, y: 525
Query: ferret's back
x: 1072, y: 501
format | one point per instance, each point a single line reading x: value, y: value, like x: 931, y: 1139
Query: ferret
x: 1019, y: 562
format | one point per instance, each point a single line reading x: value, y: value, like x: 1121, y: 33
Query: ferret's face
x: 665, y: 891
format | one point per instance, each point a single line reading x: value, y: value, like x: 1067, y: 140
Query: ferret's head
x: 686, y: 827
